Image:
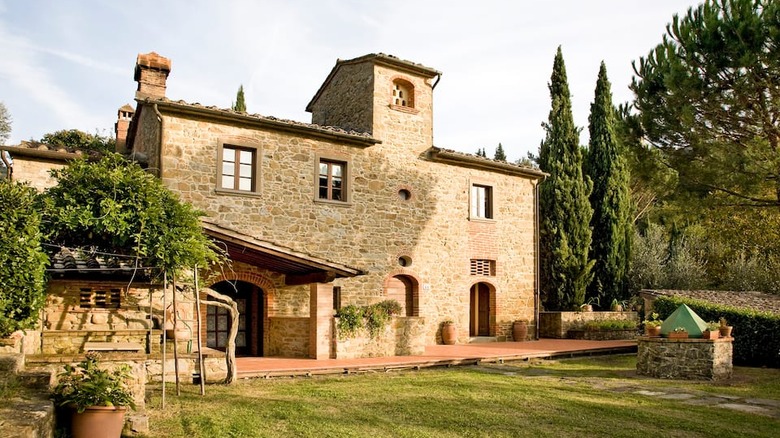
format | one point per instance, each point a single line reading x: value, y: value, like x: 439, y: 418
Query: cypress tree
x: 610, y: 198
x: 240, y: 104
x: 565, y: 234
x: 499, y: 155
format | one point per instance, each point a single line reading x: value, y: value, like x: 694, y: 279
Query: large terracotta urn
x: 448, y: 333
x: 98, y: 422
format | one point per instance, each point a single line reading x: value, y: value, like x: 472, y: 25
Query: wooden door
x: 479, y: 321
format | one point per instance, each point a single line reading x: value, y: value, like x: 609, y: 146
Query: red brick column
x: 320, y: 320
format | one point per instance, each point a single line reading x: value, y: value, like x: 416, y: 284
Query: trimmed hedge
x: 756, y: 334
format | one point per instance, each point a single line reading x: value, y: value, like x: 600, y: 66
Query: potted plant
x: 678, y: 333
x: 97, y: 397
x: 519, y: 330
x: 653, y: 325
x: 712, y: 332
x: 617, y: 306
x: 725, y: 329
x: 448, y: 333
x: 588, y: 305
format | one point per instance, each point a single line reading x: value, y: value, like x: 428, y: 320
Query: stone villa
x: 356, y: 207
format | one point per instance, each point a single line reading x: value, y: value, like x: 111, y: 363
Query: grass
x: 571, y: 398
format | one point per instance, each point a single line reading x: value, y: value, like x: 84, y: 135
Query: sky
x: 69, y: 64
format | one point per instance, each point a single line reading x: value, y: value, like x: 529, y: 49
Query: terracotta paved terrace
x: 435, y: 355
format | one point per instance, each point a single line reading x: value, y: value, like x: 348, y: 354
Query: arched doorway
x: 250, y: 300
x: 480, y: 311
x: 404, y: 289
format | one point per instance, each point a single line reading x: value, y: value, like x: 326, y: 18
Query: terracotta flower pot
x: 519, y: 331
x: 707, y: 334
x: 98, y: 422
x: 448, y: 334
x: 653, y: 331
x: 726, y: 331
x: 677, y: 335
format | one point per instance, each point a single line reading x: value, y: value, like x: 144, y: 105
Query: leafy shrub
x: 756, y: 334
x: 373, y: 317
x: 350, y: 320
x: 648, y: 254
x: 610, y: 324
x: 22, y: 262
x: 755, y: 272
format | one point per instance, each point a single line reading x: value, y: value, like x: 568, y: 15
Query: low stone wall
x: 23, y: 342
x: 556, y: 325
x: 702, y: 359
x: 603, y: 335
x: 288, y: 337
x: 403, y: 336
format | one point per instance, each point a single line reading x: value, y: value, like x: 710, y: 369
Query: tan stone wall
x: 375, y: 227
x: 557, y: 324
x: 34, y: 171
x: 402, y: 336
x: 288, y: 337
x: 67, y: 326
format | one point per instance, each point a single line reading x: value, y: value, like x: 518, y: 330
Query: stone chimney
x: 123, y: 117
x: 151, y: 73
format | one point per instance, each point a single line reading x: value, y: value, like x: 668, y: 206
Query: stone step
x: 482, y: 339
x: 39, y: 380
x: 11, y: 362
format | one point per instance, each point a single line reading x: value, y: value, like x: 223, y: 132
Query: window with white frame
x: 481, y: 202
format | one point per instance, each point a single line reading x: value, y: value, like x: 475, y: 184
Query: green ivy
x: 373, y: 318
x: 116, y: 206
x: 22, y: 262
x: 756, y: 334
x: 610, y: 324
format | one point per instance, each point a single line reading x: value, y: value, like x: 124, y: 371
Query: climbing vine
x: 373, y: 318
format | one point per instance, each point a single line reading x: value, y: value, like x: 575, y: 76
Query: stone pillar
x: 320, y: 320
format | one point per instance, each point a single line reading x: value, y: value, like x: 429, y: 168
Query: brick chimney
x: 151, y: 73
x: 123, y: 117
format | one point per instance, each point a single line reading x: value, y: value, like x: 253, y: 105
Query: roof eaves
x: 455, y: 158
x: 317, y: 131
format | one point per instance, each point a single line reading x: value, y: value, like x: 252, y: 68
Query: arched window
x: 403, y: 93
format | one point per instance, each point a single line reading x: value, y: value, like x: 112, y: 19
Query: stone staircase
x: 26, y: 411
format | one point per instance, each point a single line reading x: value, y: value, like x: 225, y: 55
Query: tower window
x: 403, y: 93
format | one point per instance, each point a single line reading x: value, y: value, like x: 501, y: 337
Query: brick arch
x: 410, y: 303
x: 269, y: 292
x: 492, y: 290
x: 261, y: 281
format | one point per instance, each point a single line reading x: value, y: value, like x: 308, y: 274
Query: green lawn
x: 571, y: 398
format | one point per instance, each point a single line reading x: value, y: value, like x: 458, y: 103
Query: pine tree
x: 499, y: 155
x: 480, y: 152
x: 610, y: 198
x: 565, y: 234
x: 240, y: 104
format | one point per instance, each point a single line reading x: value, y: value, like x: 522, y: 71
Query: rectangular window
x: 237, y: 170
x: 99, y: 298
x: 330, y: 185
x: 336, y: 297
x: 481, y: 202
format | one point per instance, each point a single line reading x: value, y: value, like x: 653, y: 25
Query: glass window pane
x: 211, y: 340
x: 228, y: 168
x: 221, y: 339
x: 323, y: 193
x: 241, y: 339
x: 245, y: 184
x: 246, y: 157
x: 227, y: 182
x: 246, y: 170
x: 228, y: 154
x: 336, y: 194
x: 210, y: 322
x: 222, y: 322
x: 323, y: 168
x: 323, y: 181
x: 241, y: 304
x: 336, y: 170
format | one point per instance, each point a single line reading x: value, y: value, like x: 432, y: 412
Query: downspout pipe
x: 537, y: 265
x: 159, y: 139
